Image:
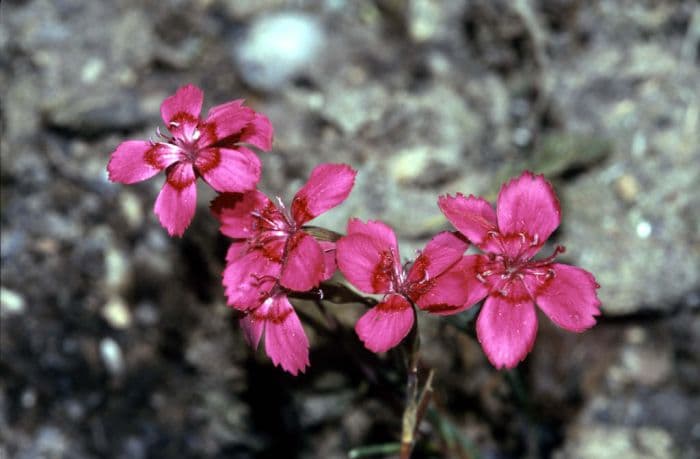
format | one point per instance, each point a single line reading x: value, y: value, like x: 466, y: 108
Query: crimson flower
x: 507, y: 275
x: 210, y: 148
x: 273, y: 253
x: 369, y: 259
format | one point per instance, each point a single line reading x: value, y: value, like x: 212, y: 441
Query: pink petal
x: 474, y: 217
x: 441, y: 252
x: 528, y: 205
x: 367, y: 263
x: 236, y: 250
x: 285, y: 340
x: 258, y: 133
x: 303, y: 268
x: 379, y: 231
x: 454, y: 291
x: 137, y: 160
x: 329, y: 263
x: 224, y: 121
x: 248, y: 278
x: 568, y: 297
x: 506, y: 329
x: 253, y: 329
x: 237, y: 212
x: 385, y: 325
x: 228, y: 170
x: 180, y: 112
x: 328, y: 186
x: 177, y: 200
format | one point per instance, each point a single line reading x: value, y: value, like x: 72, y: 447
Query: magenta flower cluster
x: 275, y: 254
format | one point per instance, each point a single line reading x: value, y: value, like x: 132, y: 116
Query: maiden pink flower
x: 369, y: 258
x: 273, y: 253
x: 508, y: 277
x: 210, y: 148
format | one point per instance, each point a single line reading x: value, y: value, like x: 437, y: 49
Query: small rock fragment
x: 112, y: 356
x: 11, y: 302
x: 277, y: 48
x: 117, y: 313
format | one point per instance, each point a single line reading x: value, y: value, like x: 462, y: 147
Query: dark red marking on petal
x: 272, y: 252
x: 301, y: 209
x: 439, y: 308
x: 152, y: 158
x: 392, y: 306
x: 208, y: 159
x: 420, y: 267
x: 416, y: 290
x: 383, y: 271
x: 271, y: 316
x: 180, y: 181
x: 183, y: 117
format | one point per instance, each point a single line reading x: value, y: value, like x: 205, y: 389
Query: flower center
x: 514, y: 261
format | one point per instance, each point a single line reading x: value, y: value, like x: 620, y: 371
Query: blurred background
x: 115, y: 339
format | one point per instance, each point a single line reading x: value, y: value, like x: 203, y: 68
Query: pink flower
x: 508, y: 277
x: 272, y: 253
x: 369, y: 258
x: 209, y: 148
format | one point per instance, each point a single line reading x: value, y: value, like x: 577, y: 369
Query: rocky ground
x: 115, y: 339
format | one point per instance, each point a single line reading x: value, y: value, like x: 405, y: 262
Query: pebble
x: 627, y: 188
x: 277, y: 48
x: 112, y: 356
x: 117, y: 313
x: 11, y: 302
x: 116, y: 269
x: 131, y: 209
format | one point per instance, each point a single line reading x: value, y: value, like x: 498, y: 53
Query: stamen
x: 535, y: 240
x: 545, y: 261
x: 480, y: 278
x: 196, y: 135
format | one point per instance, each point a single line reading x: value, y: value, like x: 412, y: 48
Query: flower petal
x: 248, y: 278
x: 258, y: 133
x: 385, y: 325
x: 506, y: 329
x: 568, y: 297
x: 368, y: 261
x: 252, y: 329
x: 229, y: 170
x: 224, y: 121
x: 303, y: 268
x: 456, y: 290
x: 285, y: 340
x: 528, y: 205
x: 180, y: 112
x: 177, y: 201
x: 379, y: 231
x: 237, y: 212
x: 329, y: 263
x: 328, y: 186
x: 474, y: 217
x: 137, y: 160
x: 441, y: 252
x: 235, y: 250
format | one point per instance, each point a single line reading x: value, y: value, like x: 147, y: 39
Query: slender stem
x: 374, y: 450
x: 410, y: 418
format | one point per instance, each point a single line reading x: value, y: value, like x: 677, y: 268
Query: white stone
x: 277, y: 48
